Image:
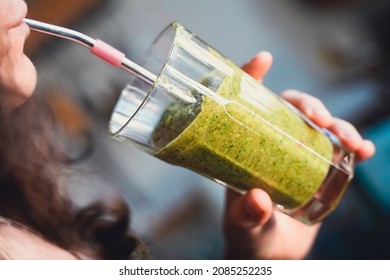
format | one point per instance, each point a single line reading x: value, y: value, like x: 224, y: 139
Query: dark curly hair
x: 33, y: 150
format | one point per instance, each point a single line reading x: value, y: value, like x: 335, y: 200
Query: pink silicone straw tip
x: 108, y: 53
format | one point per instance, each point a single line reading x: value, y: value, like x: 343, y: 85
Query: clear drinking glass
x: 205, y: 114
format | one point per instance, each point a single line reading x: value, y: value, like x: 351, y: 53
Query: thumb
x: 250, y: 210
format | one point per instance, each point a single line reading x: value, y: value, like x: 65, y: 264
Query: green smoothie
x: 251, y: 141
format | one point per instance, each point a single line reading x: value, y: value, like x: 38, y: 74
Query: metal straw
x: 89, y: 43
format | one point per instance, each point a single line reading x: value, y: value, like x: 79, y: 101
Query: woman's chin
x: 30, y: 78
x: 27, y: 81
x: 24, y: 87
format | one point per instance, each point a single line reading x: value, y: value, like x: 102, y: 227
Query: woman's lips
x: 20, y: 29
x: 18, y: 24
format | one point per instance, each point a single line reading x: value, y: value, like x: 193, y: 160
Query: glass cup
x: 205, y: 114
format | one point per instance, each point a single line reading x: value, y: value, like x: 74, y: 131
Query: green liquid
x: 236, y: 144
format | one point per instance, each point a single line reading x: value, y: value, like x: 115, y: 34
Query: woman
x: 30, y: 163
x: 34, y: 212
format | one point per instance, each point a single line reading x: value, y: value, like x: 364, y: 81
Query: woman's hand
x: 253, y: 230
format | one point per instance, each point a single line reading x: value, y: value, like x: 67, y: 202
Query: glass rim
x: 172, y: 26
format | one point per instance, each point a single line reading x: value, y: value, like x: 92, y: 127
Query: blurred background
x: 337, y: 50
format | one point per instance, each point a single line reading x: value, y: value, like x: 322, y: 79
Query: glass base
x: 328, y: 196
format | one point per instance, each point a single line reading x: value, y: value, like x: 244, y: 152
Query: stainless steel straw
x: 97, y: 47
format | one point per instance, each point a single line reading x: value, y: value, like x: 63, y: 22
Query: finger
x: 259, y: 65
x: 351, y: 139
x: 347, y: 134
x: 310, y: 106
x: 258, y: 205
x: 249, y: 210
x: 366, y: 151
